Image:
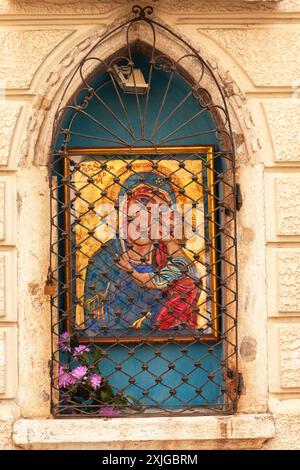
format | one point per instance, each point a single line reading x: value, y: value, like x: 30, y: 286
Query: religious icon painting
x: 142, y: 244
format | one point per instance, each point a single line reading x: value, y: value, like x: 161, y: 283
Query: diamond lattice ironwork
x: 143, y: 242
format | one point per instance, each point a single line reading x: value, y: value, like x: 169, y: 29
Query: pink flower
x: 79, y: 350
x: 95, y: 380
x: 65, y: 342
x: 65, y: 378
x: 109, y: 412
x: 79, y: 372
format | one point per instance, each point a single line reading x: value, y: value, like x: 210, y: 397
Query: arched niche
x: 183, y: 105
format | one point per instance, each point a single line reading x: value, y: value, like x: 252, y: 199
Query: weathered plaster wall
x: 254, y: 47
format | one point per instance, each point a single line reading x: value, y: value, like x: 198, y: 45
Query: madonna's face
x: 138, y: 222
x: 148, y: 217
x: 160, y: 218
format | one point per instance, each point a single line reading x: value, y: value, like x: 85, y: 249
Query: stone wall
x: 254, y: 49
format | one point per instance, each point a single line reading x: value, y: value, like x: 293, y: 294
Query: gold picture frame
x: 208, y: 150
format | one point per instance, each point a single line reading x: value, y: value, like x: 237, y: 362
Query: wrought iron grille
x: 143, y: 244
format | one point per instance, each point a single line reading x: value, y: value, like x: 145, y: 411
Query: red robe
x: 181, y: 301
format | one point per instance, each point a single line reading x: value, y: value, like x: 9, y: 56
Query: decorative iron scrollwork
x: 142, y: 11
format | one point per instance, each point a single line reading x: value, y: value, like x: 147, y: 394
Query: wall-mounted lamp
x: 131, y: 80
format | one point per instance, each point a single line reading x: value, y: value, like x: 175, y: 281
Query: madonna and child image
x: 146, y: 276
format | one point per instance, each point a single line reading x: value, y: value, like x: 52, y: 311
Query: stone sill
x: 245, y: 431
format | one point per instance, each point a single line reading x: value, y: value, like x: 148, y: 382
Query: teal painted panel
x: 195, y: 364
x: 98, y: 126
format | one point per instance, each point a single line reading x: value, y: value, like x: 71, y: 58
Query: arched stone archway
x: 38, y: 145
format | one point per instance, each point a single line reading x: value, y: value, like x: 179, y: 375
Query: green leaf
x: 137, y: 406
x: 133, y: 403
x: 97, y: 354
x: 74, y: 341
x: 83, y: 391
x: 105, y: 393
x: 120, y: 401
x: 86, y: 359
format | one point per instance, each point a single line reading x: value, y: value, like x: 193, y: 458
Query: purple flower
x: 79, y: 372
x: 109, y: 412
x: 95, y: 380
x: 65, y: 342
x: 65, y: 378
x: 79, y: 350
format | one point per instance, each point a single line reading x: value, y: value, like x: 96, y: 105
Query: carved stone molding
x: 2, y: 210
x: 7, y: 210
x: 8, y: 119
x: 2, y: 362
x: 102, y: 7
x: 2, y: 286
x: 283, y: 206
x: 23, y: 51
x: 290, y: 357
x: 8, y: 362
x: 283, y: 281
x: 278, y: 61
x: 287, y: 193
x: 284, y: 357
x: 285, y: 139
x: 289, y: 281
x: 8, y: 286
x: 59, y: 7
